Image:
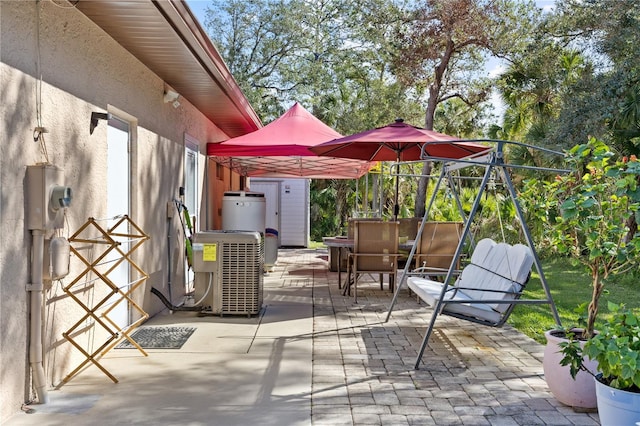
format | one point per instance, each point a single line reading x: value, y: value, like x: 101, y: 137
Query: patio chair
x: 350, y: 235
x: 409, y: 227
x: 375, y: 250
x: 352, y: 221
x: 437, y: 247
x: 497, y: 274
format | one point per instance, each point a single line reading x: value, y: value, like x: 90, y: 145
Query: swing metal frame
x: 494, y: 164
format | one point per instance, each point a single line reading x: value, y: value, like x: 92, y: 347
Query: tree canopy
x: 579, y: 77
x: 571, y: 72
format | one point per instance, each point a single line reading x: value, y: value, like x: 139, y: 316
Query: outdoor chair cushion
x: 497, y: 271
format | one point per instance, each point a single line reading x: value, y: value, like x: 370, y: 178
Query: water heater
x: 243, y: 211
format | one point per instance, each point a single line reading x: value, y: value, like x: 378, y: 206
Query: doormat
x: 158, y: 338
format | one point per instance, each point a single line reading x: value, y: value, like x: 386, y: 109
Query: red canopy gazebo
x: 281, y: 149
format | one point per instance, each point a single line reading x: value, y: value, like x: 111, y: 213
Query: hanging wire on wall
x: 40, y: 130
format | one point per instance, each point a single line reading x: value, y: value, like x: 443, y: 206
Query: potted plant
x: 616, y: 348
x: 591, y: 216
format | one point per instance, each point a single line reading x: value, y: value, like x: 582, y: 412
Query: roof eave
x: 180, y: 53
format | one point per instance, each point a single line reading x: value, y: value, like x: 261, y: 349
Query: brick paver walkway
x: 471, y: 374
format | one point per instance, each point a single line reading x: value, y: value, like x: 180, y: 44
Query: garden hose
x: 185, y: 222
x: 187, y: 241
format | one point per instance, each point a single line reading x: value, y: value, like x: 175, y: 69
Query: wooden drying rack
x: 104, y: 242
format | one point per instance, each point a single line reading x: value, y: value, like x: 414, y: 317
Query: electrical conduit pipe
x: 35, y: 342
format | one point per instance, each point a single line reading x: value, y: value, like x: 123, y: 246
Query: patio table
x: 344, y: 243
x: 341, y: 243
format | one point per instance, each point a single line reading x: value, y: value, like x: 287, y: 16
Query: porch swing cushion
x: 497, y: 271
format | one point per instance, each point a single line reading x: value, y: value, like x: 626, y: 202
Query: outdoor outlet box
x: 46, y: 197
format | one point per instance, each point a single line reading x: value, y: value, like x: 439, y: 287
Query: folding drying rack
x: 96, y: 247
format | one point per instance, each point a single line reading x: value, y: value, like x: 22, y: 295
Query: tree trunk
x: 633, y: 228
x: 423, y: 182
x: 423, y: 185
x: 340, y: 203
x: 593, y: 304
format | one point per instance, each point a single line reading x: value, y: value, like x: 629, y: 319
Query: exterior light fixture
x: 95, y: 116
x: 171, y: 97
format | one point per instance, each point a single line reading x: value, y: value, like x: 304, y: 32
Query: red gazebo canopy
x: 281, y: 149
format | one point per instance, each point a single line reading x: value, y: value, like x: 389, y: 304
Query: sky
x: 198, y: 8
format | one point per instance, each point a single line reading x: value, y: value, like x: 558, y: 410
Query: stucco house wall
x: 82, y: 70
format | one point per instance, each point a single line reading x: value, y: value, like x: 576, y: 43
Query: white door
x: 191, y: 194
x: 294, y: 213
x: 191, y: 177
x: 118, y: 196
x: 271, y: 191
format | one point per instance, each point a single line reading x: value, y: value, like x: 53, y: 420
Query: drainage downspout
x: 35, y: 343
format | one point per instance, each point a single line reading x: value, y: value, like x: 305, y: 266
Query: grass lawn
x: 570, y: 286
x: 316, y: 244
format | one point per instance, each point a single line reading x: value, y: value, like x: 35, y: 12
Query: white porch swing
x: 487, y: 289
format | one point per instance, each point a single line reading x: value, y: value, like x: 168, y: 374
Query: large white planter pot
x: 617, y: 407
x: 577, y: 393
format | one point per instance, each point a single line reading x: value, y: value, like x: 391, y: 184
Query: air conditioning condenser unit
x: 228, y: 267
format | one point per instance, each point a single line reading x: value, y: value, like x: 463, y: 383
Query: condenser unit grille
x: 229, y: 267
x: 242, y: 267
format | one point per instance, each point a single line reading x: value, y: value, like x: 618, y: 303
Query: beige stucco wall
x: 83, y: 70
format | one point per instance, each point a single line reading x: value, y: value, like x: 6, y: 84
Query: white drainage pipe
x: 35, y: 343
